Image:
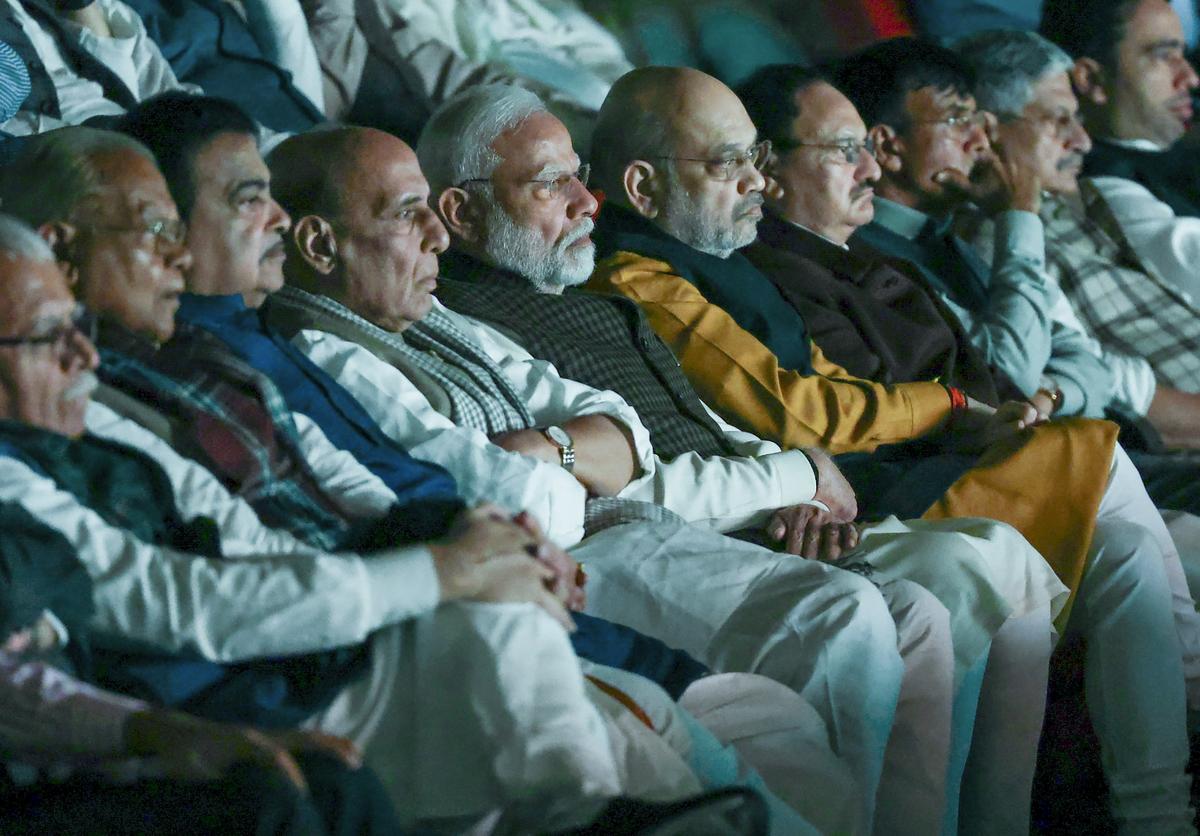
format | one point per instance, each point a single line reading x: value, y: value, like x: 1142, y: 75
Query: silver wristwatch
x: 561, y: 439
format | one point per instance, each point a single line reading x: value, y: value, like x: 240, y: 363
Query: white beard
x: 523, y: 251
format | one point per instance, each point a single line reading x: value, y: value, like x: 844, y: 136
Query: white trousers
x: 476, y: 707
x: 826, y: 633
x: 1142, y: 668
x: 1126, y: 500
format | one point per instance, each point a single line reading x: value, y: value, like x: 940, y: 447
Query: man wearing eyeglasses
x: 868, y: 317
x: 702, y: 469
x: 1145, y: 329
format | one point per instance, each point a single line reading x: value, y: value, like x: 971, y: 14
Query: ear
x: 315, y: 243
x: 460, y: 213
x: 773, y: 190
x: 59, y: 235
x: 1088, y: 79
x: 888, y: 148
x: 643, y: 188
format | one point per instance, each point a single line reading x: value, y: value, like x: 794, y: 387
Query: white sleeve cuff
x: 401, y: 584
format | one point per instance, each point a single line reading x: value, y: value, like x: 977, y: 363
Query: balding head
x: 98, y: 197
x: 364, y: 233
x: 677, y: 146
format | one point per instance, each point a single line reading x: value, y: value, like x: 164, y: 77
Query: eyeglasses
x: 165, y: 231
x: 546, y: 188
x: 730, y: 167
x: 852, y: 149
x: 60, y: 335
x: 962, y: 120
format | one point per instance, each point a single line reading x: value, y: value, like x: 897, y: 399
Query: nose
x: 1187, y: 76
x: 751, y: 181
x: 977, y: 137
x: 1079, y: 140
x: 868, y: 168
x: 279, y: 220
x: 82, y: 351
x: 178, y: 257
x: 434, y: 238
x: 582, y: 202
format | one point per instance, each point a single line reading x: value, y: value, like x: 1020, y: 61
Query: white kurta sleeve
x: 485, y: 472
x: 729, y: 492
x: 1163, y: 240
x: 270, y: 595
x: 357, y: 492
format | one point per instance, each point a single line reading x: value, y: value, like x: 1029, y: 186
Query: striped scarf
x: 480, y: 396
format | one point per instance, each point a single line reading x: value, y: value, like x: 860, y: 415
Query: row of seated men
x: 319, y: 423
x: 383, y: 63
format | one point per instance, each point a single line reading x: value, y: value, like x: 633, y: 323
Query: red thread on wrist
x: 958, y: 400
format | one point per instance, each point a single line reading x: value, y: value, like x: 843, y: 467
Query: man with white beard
x: 512, y: 194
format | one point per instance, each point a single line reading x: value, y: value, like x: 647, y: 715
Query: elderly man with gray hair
x: 509, y: 190
x: 1145, y: 329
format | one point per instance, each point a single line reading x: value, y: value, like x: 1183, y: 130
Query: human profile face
x: 45, y: 383
x: 128, y: 252
x: 538, y: 218
x: 823, y: 189
x: 1048, y: 137
x: 235, y: 227
x: 1150, y: 96
x: 945, y: 132
x: 703, y: 210
x: 388, y: 237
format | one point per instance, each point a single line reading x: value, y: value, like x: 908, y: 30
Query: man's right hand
x: 190, y: 748
x: 999, y: 182
x: 489, y: 557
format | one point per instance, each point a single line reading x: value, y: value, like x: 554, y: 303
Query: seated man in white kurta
x: 427, y: 378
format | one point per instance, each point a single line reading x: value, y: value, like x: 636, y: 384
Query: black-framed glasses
x: 730, y: 167
x: 852, y: 149
x: 547, y: 187
x: 171, y: 232
x: 59, y: 335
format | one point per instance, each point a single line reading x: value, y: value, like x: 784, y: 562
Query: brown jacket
x: 868, y: 317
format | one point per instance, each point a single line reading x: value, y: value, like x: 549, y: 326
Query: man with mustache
x: 872, y: 319
x: 747, y: 350
x: 1135, y: 88
x: 937, y: 161
x: 703, y: 469
x: 274, y: 595
x: 1148, y: 331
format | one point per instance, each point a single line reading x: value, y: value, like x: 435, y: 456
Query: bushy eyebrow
x: 1166, y: 43
x: 257, y: 184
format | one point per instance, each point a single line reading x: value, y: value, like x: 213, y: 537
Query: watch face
x: 559, y: 436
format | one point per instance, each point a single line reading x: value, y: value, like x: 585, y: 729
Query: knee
x: 1126, y: 558
x: 919, y: 617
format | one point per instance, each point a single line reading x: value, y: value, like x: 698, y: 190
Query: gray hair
x: 56, y: 170
x: 18, y: 240
x: 1007, y: 64
x: 456, y: 144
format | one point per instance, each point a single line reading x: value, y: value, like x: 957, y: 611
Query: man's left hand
x: 568, y: 578
x: 812, y: 532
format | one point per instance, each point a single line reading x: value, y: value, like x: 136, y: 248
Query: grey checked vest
x: 603, y: 341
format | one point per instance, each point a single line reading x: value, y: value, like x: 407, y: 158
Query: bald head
x: 647, y: 111
x: 364, y: 233
x: 676, y: 146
